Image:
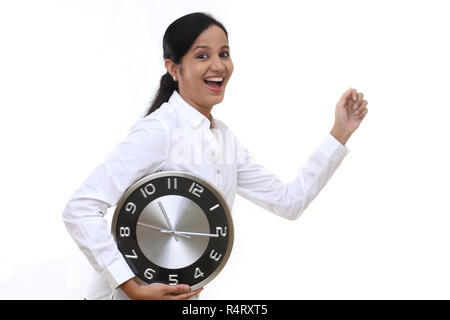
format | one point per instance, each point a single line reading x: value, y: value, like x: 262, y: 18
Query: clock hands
x: 180, y: 233
x: 162, y: 230
x: 173, y: 231
x: 167, y: 220
x: 184, y: 233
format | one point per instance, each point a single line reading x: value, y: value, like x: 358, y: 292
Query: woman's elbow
x: 294, y: 215
x: 293, y: 211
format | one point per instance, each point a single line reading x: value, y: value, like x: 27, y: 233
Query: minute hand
x: 160, y: 229
x: 215, y: 235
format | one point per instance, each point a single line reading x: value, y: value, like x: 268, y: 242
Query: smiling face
x: 204, y: 70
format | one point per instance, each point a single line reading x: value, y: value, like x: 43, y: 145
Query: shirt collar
x: 195, y: 117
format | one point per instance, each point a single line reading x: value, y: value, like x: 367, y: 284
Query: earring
x: 174, y: 78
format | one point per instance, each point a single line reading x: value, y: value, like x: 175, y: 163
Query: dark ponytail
x: 166, y: 87
x: 178, y: 38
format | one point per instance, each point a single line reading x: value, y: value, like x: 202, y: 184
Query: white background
x: 75, y: 75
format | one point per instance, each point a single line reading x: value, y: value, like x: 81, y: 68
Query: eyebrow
x: 206, y: 47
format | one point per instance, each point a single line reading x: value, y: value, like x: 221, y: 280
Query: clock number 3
x: 196, y: 189
x: 215, y: 256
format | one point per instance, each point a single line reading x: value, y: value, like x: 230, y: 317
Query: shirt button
x: 218, y: 171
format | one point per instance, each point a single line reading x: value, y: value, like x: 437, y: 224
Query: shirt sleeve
x: 142, y: 152
x: 289, y: 200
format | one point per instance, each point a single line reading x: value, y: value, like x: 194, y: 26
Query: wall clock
x: 175, y: 228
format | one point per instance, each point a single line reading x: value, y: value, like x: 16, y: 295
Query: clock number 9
x: 130, y: 207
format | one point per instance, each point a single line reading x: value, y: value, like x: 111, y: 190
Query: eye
x: 202, y: 56
x: 225, y: 54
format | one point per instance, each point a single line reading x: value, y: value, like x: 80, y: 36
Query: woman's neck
x: 204, y: 110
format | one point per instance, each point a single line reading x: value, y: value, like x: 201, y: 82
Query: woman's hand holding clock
x: 350, y: 111
x: 157, y: 291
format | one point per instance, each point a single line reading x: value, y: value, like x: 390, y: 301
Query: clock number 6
x: 148, y: 273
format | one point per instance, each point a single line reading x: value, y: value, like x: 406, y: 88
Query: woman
x: 179, y: 133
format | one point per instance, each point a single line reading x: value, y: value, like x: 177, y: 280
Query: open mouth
x: 215, y: 84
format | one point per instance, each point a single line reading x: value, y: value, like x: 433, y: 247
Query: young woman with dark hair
x: 179, y: 133
x: 178, y: 39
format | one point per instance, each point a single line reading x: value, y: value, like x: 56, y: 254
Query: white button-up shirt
x: 178, y: 137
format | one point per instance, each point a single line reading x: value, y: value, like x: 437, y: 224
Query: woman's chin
x: 214, y: 99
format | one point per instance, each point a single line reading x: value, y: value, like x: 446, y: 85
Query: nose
x: 217, y: 65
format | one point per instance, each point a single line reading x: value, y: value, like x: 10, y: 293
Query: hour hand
x: 166, y: 217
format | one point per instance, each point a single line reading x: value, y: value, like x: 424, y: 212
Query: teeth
x: 215, y: 79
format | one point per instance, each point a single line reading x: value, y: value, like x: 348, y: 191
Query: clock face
x: 175, y: 228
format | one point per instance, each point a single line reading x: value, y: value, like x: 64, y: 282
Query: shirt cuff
x: 333, y: 149
x: 117, y: 273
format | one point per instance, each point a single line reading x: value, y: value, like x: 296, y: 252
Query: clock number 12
x: 196, y: 189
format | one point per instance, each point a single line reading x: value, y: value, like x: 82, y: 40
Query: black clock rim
x: 174, y: 173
